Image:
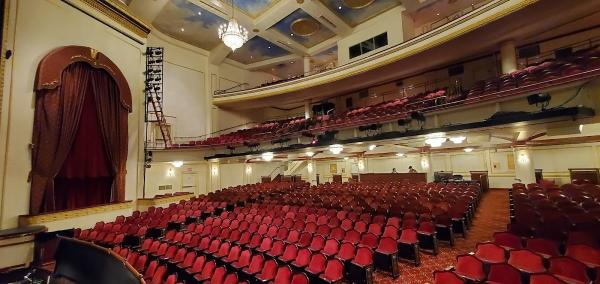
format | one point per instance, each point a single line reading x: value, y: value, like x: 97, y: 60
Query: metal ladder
x: 154, y: 92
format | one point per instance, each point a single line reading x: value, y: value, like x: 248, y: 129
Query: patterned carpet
x: 491, y: 216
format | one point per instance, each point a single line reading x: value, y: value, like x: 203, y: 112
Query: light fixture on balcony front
x: 435, y: 139
x: 336, y: 149
x: 177, y: 164
x: 457, y: 139
x: 310, y: 154
x: 267, y: 156
x: 372, y: 147
x: 468, y: 150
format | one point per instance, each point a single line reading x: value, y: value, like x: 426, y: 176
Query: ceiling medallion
x: 357, y: 4
x: 304, y: 27
x: 233, y: 34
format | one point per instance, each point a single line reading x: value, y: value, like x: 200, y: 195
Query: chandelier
x: 233, y: 34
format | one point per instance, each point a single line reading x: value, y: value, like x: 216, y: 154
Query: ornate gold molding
x: 28, y: 220
x: 162, y: 200
x: 117, y: 12
x: 3, y: 48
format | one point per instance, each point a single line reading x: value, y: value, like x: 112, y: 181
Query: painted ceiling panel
x: 300, y: 27
x: 353, y: 15
x: 257, y: 49
x: 189, y: 23
x: 253, y: 8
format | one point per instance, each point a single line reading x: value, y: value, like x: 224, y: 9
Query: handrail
x: 590, y: 42
x: 489, y: 5
x: 218, y: 92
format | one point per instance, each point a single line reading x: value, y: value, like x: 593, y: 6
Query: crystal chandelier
x: 233, y: 34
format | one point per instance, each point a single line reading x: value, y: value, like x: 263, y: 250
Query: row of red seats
x: 321, y: 228
x: 570, y: 255
x: 580, y: 61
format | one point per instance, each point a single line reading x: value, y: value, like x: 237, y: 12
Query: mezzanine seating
x: 536, y: 76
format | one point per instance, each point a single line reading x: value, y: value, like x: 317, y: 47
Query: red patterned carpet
x: 491, y: 216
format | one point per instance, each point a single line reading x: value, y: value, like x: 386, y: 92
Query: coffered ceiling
x: 280, y: 31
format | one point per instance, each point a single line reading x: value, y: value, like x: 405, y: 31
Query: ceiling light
x: 233, y: 34
x: 310, y: 154
x: 372, y: 147
x: 267, y: 156
x: 437, y: 14
x: 177, y: 164
x: 339, y: 7
x: 182, y: 29
x: 291, y: 62
x: 291, y: 34
x: 580, y: 128
x: 346, y: 158
x: 336, y: 149
x: 468, y: 150
x: 400, y: 154
x: 457, y: 139
x: 199, y: 13
x: 269, y: 46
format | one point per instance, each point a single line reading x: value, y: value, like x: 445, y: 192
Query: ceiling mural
x: 325, y: 59
x: 257, y: 49
x: 252, y: 8
x: 300, y: 27
x: 355, y: 12
x: 189, y: 23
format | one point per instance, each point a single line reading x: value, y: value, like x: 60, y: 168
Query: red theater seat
x: 470, y: 268
x: 502, y: 273
x: 334, y: 272
x: 568, y: 270
x: 447, y: 277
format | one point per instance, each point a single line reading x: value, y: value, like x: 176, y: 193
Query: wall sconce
x: 361, y: 165
x: 215, y: 170
x: 248, y: 169
x: 309, y: 167
x: 424, y: 163
x: 523, y: 158
x: 171, y: 172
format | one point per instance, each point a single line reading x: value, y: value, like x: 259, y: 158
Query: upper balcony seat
x: 581, y: 61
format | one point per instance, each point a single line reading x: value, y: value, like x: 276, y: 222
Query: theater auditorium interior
x: 300, y: 141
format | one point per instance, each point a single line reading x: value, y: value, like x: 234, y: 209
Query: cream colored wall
x: 42, y: 26
x: 185, y: 95
x: 388, y: 22
x: 554, y: 161
x: 166, y: 174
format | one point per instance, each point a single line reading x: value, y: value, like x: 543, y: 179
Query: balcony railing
x: 449, y: 22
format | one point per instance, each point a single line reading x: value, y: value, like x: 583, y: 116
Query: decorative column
x: 307, y: 110
x: 311, y: 168
x: 508, y: 57
x: 524, y: 169
x: 215, y: 178
x: 306, y: 60
x: 426, y: 166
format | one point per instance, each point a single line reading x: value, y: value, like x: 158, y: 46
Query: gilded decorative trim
x: 338, y: 73
x: 118, y: 13
x: 3, y: 48
x: 163, y: 200
x: 28, y: 220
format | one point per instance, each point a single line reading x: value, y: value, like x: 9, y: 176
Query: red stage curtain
x: 85, y: 178
x: 56, y: 121
x: 112, y: 118
x: 79, y: 142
